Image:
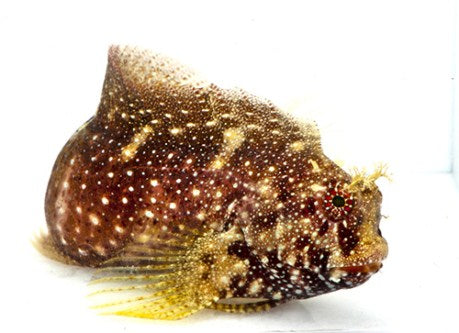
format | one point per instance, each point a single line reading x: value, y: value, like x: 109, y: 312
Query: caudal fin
x: 43, y: 243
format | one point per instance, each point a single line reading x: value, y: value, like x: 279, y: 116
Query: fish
x: 186, y: 196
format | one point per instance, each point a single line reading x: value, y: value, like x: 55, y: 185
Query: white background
x: 378, y: 77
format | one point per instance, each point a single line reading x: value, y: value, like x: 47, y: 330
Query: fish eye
x: 338, y: 203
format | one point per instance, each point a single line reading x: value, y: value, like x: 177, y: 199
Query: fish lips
x: 365, y: 269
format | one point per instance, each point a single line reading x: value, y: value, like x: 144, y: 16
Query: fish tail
x: 44, y: 244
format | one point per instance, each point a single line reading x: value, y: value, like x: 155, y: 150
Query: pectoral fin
x: 171, y: 280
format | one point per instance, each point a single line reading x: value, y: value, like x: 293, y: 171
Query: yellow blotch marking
x: 315, y: 166
x: 218, y: 163
x: 317, y: 187
x: 297, y: 146
x: 291, y: 260
x: 254, y: 287
x: 232, y: 139
x: 130, y: 150
x: 99, y: 249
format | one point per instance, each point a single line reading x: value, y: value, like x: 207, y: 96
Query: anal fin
x: 244, y: 308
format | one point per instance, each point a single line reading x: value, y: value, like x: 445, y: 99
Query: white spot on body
x: 277, y: 296
x: 317, y: 187
x: 254, y: 287
x: 94, y: 219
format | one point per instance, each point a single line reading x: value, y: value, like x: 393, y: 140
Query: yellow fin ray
x: 133, y: 268
x: 155, y: 307
x: 163, y: 259
x: 151, y: 298
x: 152, y: 286
x: 171, y: 282
x: 164, y: 287
x: 141, y: 249
x: 128, y: 278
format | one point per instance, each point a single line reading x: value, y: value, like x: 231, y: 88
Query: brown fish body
x: 167, y: 159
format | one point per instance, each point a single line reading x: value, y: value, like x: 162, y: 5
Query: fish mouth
x: 366, y: 269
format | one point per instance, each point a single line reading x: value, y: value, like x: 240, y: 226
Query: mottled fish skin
x: 167, y: 154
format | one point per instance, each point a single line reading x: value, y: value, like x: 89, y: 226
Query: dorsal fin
x: 133, y: 75
x: 147, y: 70
x: 148, y: 92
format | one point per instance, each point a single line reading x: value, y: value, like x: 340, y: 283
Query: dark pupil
x: 338, y: 201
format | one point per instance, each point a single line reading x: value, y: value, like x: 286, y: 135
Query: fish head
x: 358, y: 247
x: 324, y: 235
